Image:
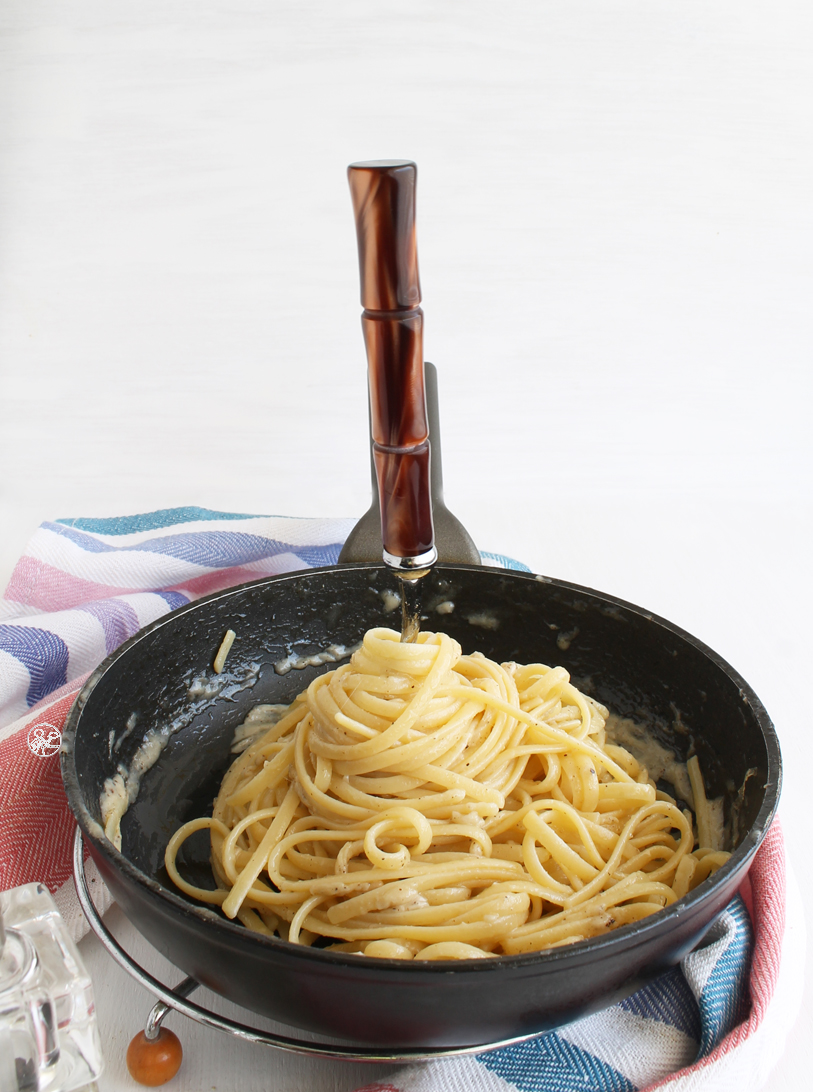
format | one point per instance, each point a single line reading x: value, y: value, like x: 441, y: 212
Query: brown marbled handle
x: 384, y: 204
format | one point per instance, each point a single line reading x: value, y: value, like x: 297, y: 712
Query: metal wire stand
x: 176, y: 998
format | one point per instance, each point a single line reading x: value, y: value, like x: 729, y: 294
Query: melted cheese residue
x: 121, y: 790
x: 661, y: 763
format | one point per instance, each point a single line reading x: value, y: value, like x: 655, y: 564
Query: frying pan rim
x: 591, y: 950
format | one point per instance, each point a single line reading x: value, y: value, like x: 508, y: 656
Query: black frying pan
x: 639, y: 665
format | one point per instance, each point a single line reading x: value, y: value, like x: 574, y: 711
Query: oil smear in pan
x: 121, y: 789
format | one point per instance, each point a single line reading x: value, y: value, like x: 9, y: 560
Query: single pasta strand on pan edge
x: 418, y: 803
x: 223, y: 651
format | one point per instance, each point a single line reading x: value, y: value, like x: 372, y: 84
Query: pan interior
x: 638, y: 666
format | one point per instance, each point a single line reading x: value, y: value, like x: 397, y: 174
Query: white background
x: 615, y: 244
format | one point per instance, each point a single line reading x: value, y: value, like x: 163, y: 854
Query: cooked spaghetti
x: 418, y: 803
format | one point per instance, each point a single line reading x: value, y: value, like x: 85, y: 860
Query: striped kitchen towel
x: 86, y: 585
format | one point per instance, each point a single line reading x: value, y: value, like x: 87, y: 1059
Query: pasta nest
x: 419, y: 803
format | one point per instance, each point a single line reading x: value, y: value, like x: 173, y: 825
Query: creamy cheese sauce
x: 664, y: 765
x: 661, y: 762
x: 121, y: 789
x: 485, y: 620
x: 259, y: 720
x: 331, y: 655
x: 564, y: 640
x: 391, y: 600
x: 205, y: 687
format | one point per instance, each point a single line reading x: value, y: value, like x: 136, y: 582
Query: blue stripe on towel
x: 318, y: 555
x: 550, y: 1064
x: 213, y: 549
x: 150, y: 521
x: 209, y: 549
x: 117, y: 619
x: 504, y: 562
x: 174, y: 598
x: 725, y: 991
x: 669, y: 1001
x: 44, y: 655
x: 88, y: 543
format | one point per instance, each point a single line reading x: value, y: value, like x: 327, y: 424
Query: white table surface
x: 615, y: 234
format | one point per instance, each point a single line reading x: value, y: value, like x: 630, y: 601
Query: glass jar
x: 49, y: 1041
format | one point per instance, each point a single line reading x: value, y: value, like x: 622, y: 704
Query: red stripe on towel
x: 37, y: 584
x: 767, y: 876
x: 36, y: 824
x: 216, y: 581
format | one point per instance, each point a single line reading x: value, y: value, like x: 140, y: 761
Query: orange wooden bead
x: 154, y: 1061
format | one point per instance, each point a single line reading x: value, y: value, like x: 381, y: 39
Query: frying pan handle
x: 452, y: 541
x: 383, y: 194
